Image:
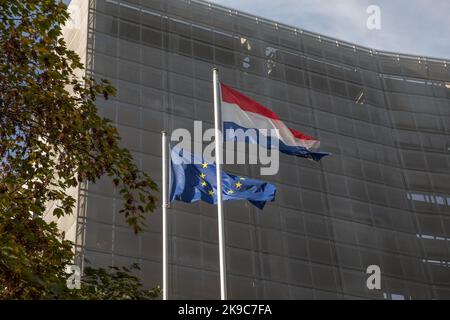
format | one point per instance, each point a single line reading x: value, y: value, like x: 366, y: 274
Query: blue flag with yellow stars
x: 193, y: 179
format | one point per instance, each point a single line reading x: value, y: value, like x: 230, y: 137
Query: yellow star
x: 230, y: 192
x: 203, y: 176
x: 205, y: 165
x: 238, y: 185
x: 204, y: 184
x: 211, y: 193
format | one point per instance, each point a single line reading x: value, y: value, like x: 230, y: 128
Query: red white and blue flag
x: 241, y: 112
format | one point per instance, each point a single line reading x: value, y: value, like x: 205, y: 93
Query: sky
x: 418, y: 27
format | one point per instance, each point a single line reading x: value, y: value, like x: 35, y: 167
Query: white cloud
x: 419, y: 27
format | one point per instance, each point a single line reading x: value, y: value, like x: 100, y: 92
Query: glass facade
x: 383, y: 198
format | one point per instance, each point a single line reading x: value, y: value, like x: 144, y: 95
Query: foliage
x: 51, y: 140
x: 114, y: 284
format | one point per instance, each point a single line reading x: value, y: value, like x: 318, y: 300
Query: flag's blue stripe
x: 269, y: 143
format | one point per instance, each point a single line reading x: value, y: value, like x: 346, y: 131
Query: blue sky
x: 419, y: 27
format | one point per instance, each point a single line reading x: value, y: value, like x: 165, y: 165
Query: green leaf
x: 52, y: 138
x: 58, y: 212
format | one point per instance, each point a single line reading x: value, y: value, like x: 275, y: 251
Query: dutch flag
x: 241, y: 112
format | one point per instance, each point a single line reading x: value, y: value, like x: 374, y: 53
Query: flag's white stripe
x: 232, y: 113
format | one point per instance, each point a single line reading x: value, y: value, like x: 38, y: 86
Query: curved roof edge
x: 318, y: 36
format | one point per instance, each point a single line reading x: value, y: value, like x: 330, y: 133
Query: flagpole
x: 218, y: 151
x: 164, y: 214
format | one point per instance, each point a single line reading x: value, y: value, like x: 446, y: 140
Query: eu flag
x: 194, y: 179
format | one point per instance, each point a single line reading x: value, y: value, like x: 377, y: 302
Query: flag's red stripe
x: 300, y: 135
x: 230, y: 95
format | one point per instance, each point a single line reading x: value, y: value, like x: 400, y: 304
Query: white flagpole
x: 218, y: 150
x: 164, y: 214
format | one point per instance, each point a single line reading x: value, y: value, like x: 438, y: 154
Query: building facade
x: 382, y: 199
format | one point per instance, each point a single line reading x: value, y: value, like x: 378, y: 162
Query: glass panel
x: 382, y: 198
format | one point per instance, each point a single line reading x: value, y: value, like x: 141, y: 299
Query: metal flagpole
x: 218, y: 151
x: 164, y: 214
